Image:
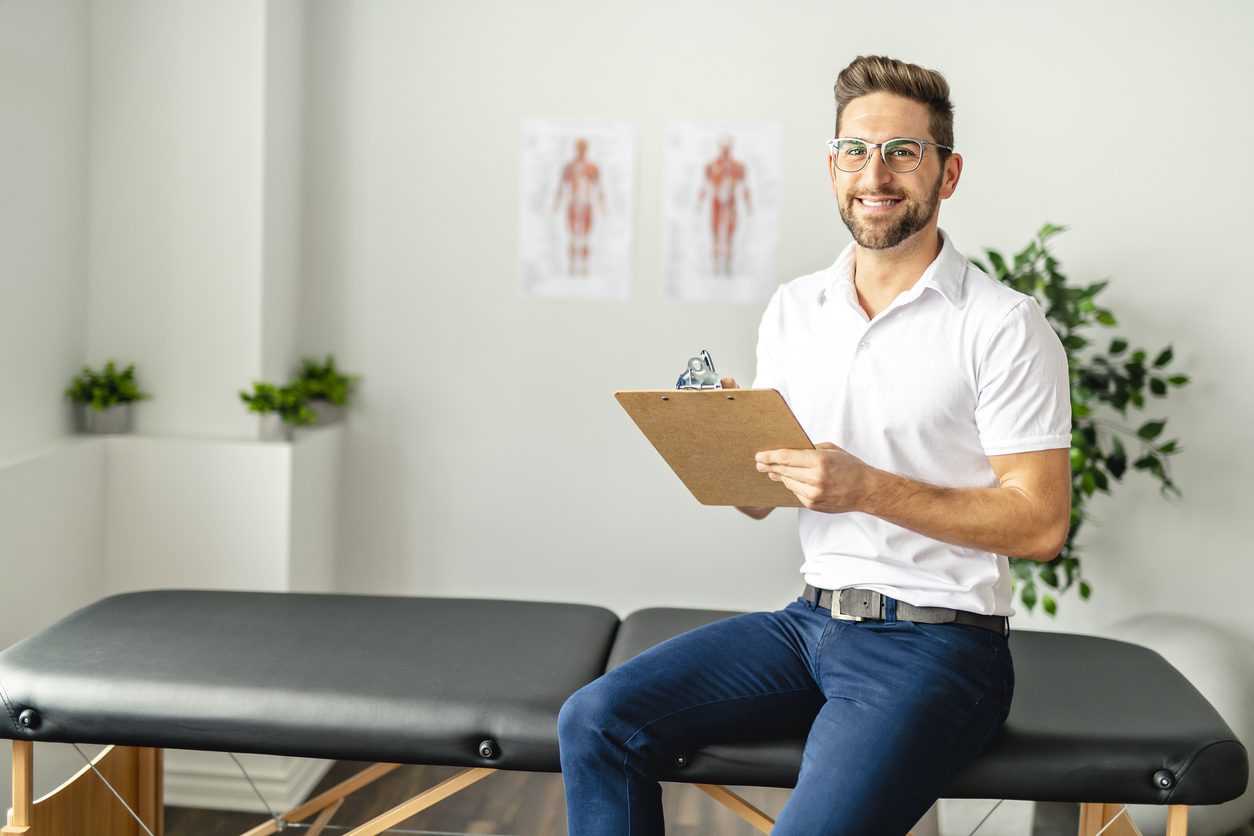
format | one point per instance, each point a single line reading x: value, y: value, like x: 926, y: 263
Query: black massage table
x: 478, y: 684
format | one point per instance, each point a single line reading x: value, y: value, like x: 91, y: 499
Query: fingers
x: 806, y: 493
x: 799, y: 458
x: 728, y: 383
x: 811, y: 479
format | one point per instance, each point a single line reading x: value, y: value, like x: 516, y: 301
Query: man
x: 941, y: 397
x: 726, y: 185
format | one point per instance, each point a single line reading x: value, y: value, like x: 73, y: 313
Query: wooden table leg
x: 23, y: 788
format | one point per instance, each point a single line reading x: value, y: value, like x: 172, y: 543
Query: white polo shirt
x: 958, y: 368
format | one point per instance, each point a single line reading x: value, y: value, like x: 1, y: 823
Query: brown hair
x: 878, y: 74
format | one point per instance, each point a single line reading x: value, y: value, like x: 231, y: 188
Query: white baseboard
x: 211, y: 780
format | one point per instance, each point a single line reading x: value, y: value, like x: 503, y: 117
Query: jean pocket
x: 964, y: 638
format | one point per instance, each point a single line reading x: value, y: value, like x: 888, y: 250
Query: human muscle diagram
x: 727, y: 193
x: 579, y: 191
x: 722, y: 212
x: 577, y: 188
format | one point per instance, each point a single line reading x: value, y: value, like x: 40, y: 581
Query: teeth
x: 866, y: 202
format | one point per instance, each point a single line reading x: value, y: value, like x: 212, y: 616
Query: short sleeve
x: 1024, y: 396
x: 770, y: 371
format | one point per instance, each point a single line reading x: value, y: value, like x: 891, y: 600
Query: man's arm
x: 1027, y: 515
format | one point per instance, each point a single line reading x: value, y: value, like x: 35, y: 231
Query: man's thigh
x: 908, y: 705
x: 740, y: 678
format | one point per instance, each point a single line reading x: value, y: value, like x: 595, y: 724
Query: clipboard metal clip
x: 700, y: 374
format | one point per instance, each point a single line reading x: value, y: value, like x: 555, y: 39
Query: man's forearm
x: 1003, y: 520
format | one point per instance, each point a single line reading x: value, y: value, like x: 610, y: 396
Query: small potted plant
x: 327, y: 389
x: 104, y: 398
x: 282, y: 409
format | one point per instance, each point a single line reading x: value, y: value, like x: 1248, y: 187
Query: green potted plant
x: 282, y: 409
x: 327, y: 389
x: 1107, y: 379
x: 104, y: 398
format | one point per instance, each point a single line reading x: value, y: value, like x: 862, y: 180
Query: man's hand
x: 825, y: 479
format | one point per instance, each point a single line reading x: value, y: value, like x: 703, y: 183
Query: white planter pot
x: 272, y: 428
x: 111, y: 420
x: 328, y: 413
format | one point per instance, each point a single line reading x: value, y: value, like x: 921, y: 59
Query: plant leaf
x: 1048, y: 576
x: 999, y: 263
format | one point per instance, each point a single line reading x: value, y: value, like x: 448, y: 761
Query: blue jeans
x: 893, y: 709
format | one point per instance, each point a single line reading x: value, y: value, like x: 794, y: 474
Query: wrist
x: 871, y: 490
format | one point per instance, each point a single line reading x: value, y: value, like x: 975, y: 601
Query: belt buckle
x: 837, y: 614
x: 835, y: 609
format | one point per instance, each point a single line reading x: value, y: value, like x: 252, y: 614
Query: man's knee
x: 587, y: 712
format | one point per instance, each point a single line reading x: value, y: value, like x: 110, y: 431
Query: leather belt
x: 853, y: 604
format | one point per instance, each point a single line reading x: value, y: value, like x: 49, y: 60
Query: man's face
x: 883, y: 208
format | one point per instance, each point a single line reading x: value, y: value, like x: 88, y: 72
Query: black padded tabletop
x: 409, y: 680
x: 1092, y: 720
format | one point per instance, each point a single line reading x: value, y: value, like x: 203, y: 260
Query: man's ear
x: 953, y: 172
x: 831, y: 171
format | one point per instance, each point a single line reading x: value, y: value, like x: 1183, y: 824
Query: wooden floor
x: 507, y: 803
x: 532, y: 804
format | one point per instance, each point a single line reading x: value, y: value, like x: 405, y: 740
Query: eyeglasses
x: 901, y: 155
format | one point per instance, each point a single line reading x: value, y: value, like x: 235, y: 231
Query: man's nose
x: 875, y: 170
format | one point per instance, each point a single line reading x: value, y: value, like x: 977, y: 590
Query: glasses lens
x: 850, y: 154
x: 902, y: 155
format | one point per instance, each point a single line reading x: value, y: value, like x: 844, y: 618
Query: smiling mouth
x: 878, y: 202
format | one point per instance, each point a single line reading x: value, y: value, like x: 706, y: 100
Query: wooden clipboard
x: 710, y: 436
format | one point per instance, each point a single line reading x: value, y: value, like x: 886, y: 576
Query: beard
x: 883, y: 235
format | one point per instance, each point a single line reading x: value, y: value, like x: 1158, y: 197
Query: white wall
x: 52, y: 559
x: 43, y: 184
x: 282, y: 172
x: 197, y: 514
x: 176, y: 233
x: 154, y: 146
x: 313, y: 521
x: 487, y: 456
x: 50, y: 516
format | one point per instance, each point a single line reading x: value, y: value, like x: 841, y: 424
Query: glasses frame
x: 833, y: 149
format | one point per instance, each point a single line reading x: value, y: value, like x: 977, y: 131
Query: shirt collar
x: 944, y: 275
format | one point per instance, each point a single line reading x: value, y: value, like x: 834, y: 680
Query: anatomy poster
x: 722, y: 212
x: 577, y: 208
